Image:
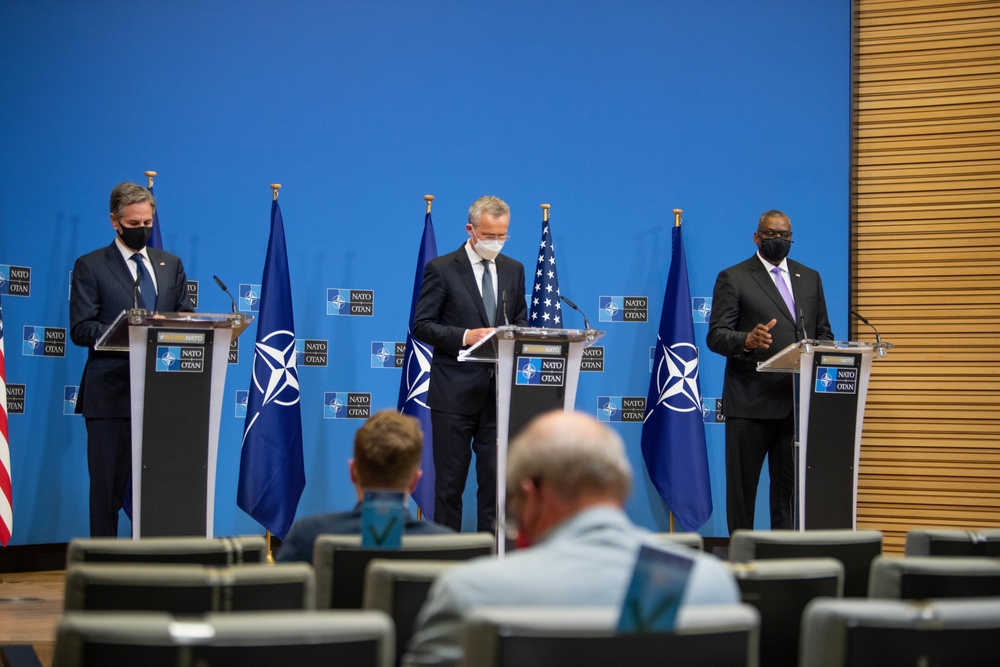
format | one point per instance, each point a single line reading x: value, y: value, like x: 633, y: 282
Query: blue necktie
x: 489, y: 296
x: 786, y: 294
x: 147, y: 293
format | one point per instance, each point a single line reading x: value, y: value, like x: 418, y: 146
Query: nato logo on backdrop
x: 16, y: 394
x: 621, y: 408
x: 312, y: 352
x: 192, y: 288
x: 70, y: 393
x: 701, y: 309
x: 346, y: 405
x: 15, y: 280
x: 242, y: 399
x: 593, y: 359
x: 388, y: 354
x: 711, y: 410
x: 43, y: 341
x: 356, y: 302
x: 623, y: 308
x: 249, y: 301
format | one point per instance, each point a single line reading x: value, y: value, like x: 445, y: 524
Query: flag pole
x: 150, y: 175
x: 545, y: 212
x: 677, y: 223
x: 267, y: 533
x: 430, y: 200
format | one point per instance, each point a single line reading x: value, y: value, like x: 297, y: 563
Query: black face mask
x: 135, y: 237
x: 775, y: 249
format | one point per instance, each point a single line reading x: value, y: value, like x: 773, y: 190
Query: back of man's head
x: 387, y: 450
x: 574, y: 454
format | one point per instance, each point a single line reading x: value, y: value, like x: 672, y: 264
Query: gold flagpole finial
x: 545, y: 212
x: 150, y: 175
x: 430, y: 200
x: 677, y: 217
x: 275, y: 187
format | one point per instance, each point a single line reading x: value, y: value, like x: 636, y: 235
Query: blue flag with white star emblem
x: 546, y: 307
x: 272, y: 473
x: 416, y: 378
x: 673, y: 432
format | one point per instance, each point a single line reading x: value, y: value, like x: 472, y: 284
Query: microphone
x: 586, y: 324
x: 135, y: 291
x: 802, y: 326
x: 220, y: 284
x: 878, y: 338
x: 503, y: 300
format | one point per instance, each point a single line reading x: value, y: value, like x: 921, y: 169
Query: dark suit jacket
x: 745, y: 296
x: 298, y: 546
x: 102, y: 288
x: 449, y: 303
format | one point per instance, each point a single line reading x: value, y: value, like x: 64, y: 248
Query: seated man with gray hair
x: 567, y: 482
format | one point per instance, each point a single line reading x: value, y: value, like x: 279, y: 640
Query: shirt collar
x: 783, y: 264
x: 128, y: 252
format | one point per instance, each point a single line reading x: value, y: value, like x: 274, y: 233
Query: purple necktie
x: 786, y: 293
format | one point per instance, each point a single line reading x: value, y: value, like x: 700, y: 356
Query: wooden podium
x: 830, y: 391
x: 177, y: 364
x: 537, y: 371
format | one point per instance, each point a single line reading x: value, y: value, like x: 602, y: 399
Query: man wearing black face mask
x: 104, y: 284
x: 759, y: 307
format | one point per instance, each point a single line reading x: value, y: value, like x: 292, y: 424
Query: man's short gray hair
x: 773, y: 213
x: 126, y: 194
x: 487, y: 204
x: 573, y: 453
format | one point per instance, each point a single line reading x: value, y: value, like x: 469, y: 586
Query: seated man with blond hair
x: 387, y: 450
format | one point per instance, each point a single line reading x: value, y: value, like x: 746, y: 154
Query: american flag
x: 546, y: 307
x: 6, y: 488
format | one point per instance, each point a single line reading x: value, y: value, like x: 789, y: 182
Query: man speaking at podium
x: 760, y: 307
x: 465, y: 294
x: 123, y: 275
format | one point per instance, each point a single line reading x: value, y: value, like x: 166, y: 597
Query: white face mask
x: 487, y: 249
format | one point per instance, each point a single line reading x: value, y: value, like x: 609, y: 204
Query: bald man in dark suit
x: 104, y: 284
x: 751, y: 321
x: 452, y: 313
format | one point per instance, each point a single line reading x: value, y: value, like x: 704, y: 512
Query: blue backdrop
x: 614, y: 113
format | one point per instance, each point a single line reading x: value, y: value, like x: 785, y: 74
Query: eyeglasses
x: 772, y: 234
x: 491, y: 237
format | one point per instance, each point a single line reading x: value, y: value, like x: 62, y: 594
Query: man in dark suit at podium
x: 118, y: 277
x: 759, y: 307
x: 465, y: 294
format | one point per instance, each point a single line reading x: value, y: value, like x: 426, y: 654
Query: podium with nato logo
x: 177, y: 364
x: 537, y: 370
x: 830, y: 391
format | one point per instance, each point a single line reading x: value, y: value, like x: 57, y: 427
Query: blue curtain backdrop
x: 613, y: 113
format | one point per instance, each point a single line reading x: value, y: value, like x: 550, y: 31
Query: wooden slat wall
x: 926, y: 260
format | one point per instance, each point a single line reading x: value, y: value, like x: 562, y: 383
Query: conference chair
x: 779, y: 589
x: 854, y: 548
x: 188, y: 589
x: 887, y: 633
x: 693, y: 540
x: 709, y: 636
x: 399, y: 588
x: 340, y: 561
x: 922, y: 577
x: 939, y: 542
x: 262, y: 639
x: 199, y: 550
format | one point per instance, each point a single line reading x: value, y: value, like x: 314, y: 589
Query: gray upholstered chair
x: 709, y: 636
x: 188, y: 589
x: 939, y: 542
x: 854, y: 548
x: 340, y: 561
x: 922, y: 577
x: 780, y: 589
x: 200, y: 550
x: 886, y: 633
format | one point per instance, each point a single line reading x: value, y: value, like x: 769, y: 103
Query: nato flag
x: 673, y: 433
x: 272, y: 474
x: 416, y: 378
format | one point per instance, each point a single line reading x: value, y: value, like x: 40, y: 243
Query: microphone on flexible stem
x: 802, y: 326
x: 503, y: 300
x: 220, y: 284
x: 135, y: 291
x: 586, y: 324
x: 878, y: 338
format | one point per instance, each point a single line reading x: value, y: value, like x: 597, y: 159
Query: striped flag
x: 272, y: 472
x: 673, y: 432
x: 416, y: 378
x: 546, y: 307
x: 6, y: 487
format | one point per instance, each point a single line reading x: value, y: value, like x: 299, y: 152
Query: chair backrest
x: 340, y: 561
x: 263, y: 639
x: 885, y: 633
x: 693, y: 540
x: 399, y: 588
x: 937, y: 542
x: 779, y: 589
x: 856, y: 549
x: 709, y: 636
x: 922, y: 577
x: 188, y: 589
x: 198, y: 550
